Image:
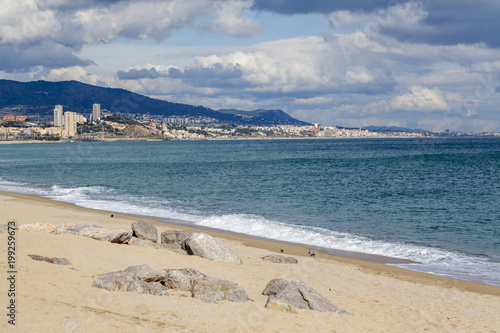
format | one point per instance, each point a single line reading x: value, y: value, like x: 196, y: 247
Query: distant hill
x: 40, y: 97
x: 275, y: 116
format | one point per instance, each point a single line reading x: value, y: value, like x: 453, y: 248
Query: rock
x: 113, y: 236
x: 88, y: 230
x: 52, y: 260
x: 275, y: 286
x: 279, y: 259
x: 206, y: 246
x: 175, y: 236
x: 144, y: 230
x: 113, y: 281
x: 300, y: 295
x: 151, y: 275
x: 182, y: 279
x: 213, y: 289
x: 278, y: 305
x: 204, y: 287
x: 142, y: 287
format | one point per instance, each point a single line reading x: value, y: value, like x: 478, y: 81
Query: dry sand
x: 52, y: 298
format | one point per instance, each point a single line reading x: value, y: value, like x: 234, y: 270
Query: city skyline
x: 416, y: 64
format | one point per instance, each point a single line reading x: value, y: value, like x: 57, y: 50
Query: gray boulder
x: 52, y: 260
x: 299, y: 295
x: 279, y: 259
x: 204, y: 287
x: 279, y: 305
x: 113, y: 236
x: 152, y: 288
x: 113, y: 281
x: 206, y: 246
x: 144, y: 230
x: 182, y: 279
x: 175, y: 236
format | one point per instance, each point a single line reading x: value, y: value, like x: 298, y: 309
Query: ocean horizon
x: 435, y: 201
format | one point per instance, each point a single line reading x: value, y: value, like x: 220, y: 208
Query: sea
x: 434, y: 201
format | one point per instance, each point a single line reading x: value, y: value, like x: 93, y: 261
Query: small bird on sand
x: 282, y: 250
x: 311, y: 253
x: 112, y: 215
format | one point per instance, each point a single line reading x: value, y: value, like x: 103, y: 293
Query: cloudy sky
x: 419, y: 64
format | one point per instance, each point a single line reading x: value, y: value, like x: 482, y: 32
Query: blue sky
x: 420, y: 64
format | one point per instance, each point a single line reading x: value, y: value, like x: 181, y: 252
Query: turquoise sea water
x: 435, y: 201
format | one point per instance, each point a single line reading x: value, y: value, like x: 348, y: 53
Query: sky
x: 433, y: 65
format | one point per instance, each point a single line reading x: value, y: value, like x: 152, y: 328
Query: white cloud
x: 229, y: 21
x: 76, y: 73
x: 401, y: 16
x: 22, y: 21
x: 421, y: 99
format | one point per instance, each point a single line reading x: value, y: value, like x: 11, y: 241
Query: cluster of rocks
x: 143, y: 280
x: 283, y: 295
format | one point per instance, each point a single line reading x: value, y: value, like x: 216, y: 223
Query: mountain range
x: 38, y: 98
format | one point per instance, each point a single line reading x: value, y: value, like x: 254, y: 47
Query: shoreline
x: 373, y: 264
x: 61, y: 298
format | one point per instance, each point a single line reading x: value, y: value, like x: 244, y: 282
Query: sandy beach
x: 54, y: 298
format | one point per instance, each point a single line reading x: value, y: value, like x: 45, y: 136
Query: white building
x: 58, y: 116
x: 96, y: 112
x: 70, y: 123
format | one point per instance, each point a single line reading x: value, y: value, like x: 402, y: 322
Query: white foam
x: 433, y: 260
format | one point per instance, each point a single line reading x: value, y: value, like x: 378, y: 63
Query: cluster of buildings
x: 65, y: 125
x: 66, y: 122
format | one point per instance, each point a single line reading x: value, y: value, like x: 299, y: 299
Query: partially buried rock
x: 204, y: 287
x: 279, y: 259
x: 142, y: 279
x: 52, y: 260
x: 144, y: 230
x: 113, y: 281
x: 139, y: 279
x: 206, y: 246
x: 299, y: 295
x: 150, y: 288
x: 113, y: 236
x: 175, y: 237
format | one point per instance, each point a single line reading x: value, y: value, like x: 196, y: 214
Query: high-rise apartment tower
x: 96, y: 112
x: 58, y: 115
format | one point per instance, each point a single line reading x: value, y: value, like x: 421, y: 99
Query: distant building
x: 70, y: 123
x: 58, y: 116
x: 80, y: 118
x: 96, y: 112
x: 21, y: 118
x: 9, y: 117
x: 164, y: 127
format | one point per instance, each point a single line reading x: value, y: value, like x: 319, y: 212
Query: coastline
x: 381, y: 297
x: 376, y: 263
